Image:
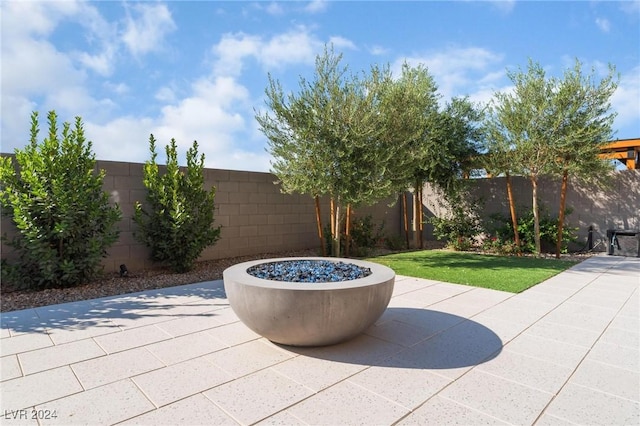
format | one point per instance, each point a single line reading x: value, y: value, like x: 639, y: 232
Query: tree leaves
x: 178, y: 222
x: 64, y: 219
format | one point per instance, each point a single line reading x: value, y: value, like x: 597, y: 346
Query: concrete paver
x: 59, y: 355
x: 167, y: 385
x: 257, y: 396
x: 24, y: 343
x: 443, y: 411
x: 110, y: 368
x: 529, y: 371
x: 107, y: 404
x: 607, y: 378
x: 10, y: 367
x: 194, y: 410
x: 405, y: 386
x: 566, y: 351
x: 503, y: 399
x: 129, y: 339
x: 185, y: 347
x: 581, y: 405
x: 347, y: 403
x: 25, y: 392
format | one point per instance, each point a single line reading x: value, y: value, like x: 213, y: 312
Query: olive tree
x: 583, y: 125
x: 326, y: 139
x: 499, y: 159
x: 556, y: 126
x: 408, y: 107
x: 449, y: 142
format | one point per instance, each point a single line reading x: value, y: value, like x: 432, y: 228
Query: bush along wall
x: 177, y: 223
x: 64, y: 220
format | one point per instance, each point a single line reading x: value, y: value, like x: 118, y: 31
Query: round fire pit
x: 308, y: 313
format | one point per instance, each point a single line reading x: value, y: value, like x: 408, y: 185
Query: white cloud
x: 214, y: 114
x: 122, y: 139
x: 487, y: 85
x: 457, y: 70
x: 504, y: 6
x: 232, y: 50
x: 316, y: 6
x: 603, y: 24
x: 208, y: 114
x: 342, y: 43
x: 21, y: 18
x: 102, y: 34
x: 102, y: 63
x: 626, y: 102
x: 38, y: 75
x: 293, y: 47
x: 145, y: 32
x: 117, y: 88
x: 631, y: 7
x: 37, y: 20
x: 15, y: 121
x: 165, y: 94
x: 32, y: 66
x: 378, y: 50
x: 275, y: 9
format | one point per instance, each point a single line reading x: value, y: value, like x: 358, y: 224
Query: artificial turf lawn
x: 512, y: 274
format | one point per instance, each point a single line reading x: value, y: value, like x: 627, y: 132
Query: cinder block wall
x: 255, y: 216
x: 613, y: 206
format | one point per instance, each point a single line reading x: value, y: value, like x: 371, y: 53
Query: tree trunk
x: 319, y: 222
x: 512, y: 208
x: 536, y: 215
x: 406, y: 217
x: 336, y: 229
x: 420, y: 216
x: 332, y: 219
x: 563, y: 199
x: 416, y: 215
x: 347, y: 228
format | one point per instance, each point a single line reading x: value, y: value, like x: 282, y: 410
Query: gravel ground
x: 115, y: 285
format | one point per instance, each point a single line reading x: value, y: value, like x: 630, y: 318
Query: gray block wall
x: 612, y: 205
x: 255, y: 216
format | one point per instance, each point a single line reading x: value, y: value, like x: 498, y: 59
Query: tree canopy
x: 327, y: 138
x: 362, y: 138
x: 551, y: 126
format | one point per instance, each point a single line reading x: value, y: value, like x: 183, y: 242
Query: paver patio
x: 566, y: 351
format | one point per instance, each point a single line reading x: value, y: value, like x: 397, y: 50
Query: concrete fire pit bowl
x: 308, y: 314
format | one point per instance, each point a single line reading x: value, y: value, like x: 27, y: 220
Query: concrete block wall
x: 612, y: 206
x: 255, y: 216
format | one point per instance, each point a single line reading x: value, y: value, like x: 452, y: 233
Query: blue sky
x: 197, y: 70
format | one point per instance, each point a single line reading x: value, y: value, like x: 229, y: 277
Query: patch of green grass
x: 512, y: 274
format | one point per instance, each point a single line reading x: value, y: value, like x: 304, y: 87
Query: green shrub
x: 365, y: 235
x: 492, y: 244
x: 460, y: 227
x: 501, y: 229
x: 395, y: 242
x: 178, y: 222
x: 55, y: 197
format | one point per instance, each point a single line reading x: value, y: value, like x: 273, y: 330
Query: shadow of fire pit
x: 415, y: 338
